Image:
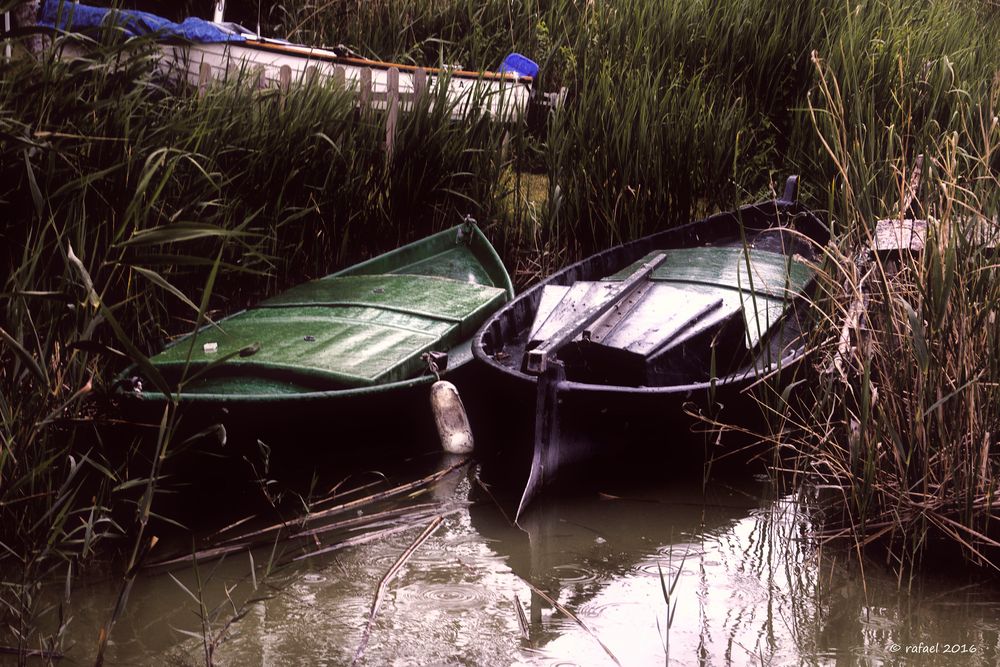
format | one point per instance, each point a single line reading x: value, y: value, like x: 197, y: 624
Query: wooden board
x: 896, y: 235
x: 581, y: 307
x: 552, y: 295
x: 686, y: 281
x: 770, y: 273
x: 665, y: 312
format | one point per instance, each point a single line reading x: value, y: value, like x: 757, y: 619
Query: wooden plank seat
x: 696, y: 301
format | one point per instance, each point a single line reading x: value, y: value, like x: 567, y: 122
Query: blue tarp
x: 73, y: 17
x: 517, y: 64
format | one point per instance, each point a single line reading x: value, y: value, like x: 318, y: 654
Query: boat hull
x: 307, y: 408
x: 572, y: 424
x: 326, y: 424
x: 504, y: 98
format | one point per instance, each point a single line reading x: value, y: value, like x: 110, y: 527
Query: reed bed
x: 900, y: 428
x: 133, y: 209
x: 676, y: 108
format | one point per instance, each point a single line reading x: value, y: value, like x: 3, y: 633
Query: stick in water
x: 573, y: 617
x: 384, y: 584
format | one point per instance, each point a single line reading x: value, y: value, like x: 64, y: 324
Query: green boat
x: 339, y: 341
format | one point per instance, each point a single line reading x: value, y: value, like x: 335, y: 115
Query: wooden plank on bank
x: 419, y: 84
x: 365, y: 93
x: 284, y: 83
x: 893, y: 236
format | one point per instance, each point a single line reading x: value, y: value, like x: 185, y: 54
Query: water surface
x: 750, y: 586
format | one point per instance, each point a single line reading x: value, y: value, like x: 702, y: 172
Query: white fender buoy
x: 450, y: 418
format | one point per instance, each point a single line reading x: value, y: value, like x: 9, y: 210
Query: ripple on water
x: 670, y: 562
x: 653, y: 569
x: 679, y: 551
x: 608, y: 609
x: 446, y: 596
x: 573, y: 573
x: 383, y: 561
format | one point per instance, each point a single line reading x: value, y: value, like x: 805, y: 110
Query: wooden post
x: 419, y: 86
x: 284, y: 83
x: 204, y: 76
x: 261, y: 77
x: 218, y: 16
x: 366, y: 87
x: 852, y: 322
x: 340, y: 76
x: 6, y: 28
x: 310, y: 76
x: 393, y: 114
x: 25, y: 15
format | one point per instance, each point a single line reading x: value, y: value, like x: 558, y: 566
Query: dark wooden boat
x: 612, y: 348
x: 336, y: 344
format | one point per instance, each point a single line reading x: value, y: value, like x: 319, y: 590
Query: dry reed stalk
x: 383, y: 585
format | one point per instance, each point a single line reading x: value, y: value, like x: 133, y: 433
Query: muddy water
x: 748, y: 586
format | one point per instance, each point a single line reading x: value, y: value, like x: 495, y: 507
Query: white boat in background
x: 201, y: 52
x: 272, y: 63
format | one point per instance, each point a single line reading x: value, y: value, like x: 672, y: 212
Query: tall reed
x: 900, y: 412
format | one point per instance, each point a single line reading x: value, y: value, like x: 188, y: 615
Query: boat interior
x: 676, y: 315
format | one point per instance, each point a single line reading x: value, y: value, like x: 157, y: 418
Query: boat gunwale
x: 779, y: 207
x: 156, y: 397
x: 326, y: 55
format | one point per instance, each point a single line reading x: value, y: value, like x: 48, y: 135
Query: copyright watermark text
x: 937, y: 647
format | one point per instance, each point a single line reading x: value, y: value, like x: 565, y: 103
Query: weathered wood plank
x: 365, y: 92
x: 896, y: 235
x: 587, y: 313
x: 419, y: 84
x: 204, y: 77
x: 393, y: 114
x: 575, y: 299
x: 664, y: 313
x: 284, y: 82
x: 552, y: 295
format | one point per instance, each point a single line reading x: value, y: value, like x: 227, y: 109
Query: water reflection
x: 751, y: 588
x: 602, y: 557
